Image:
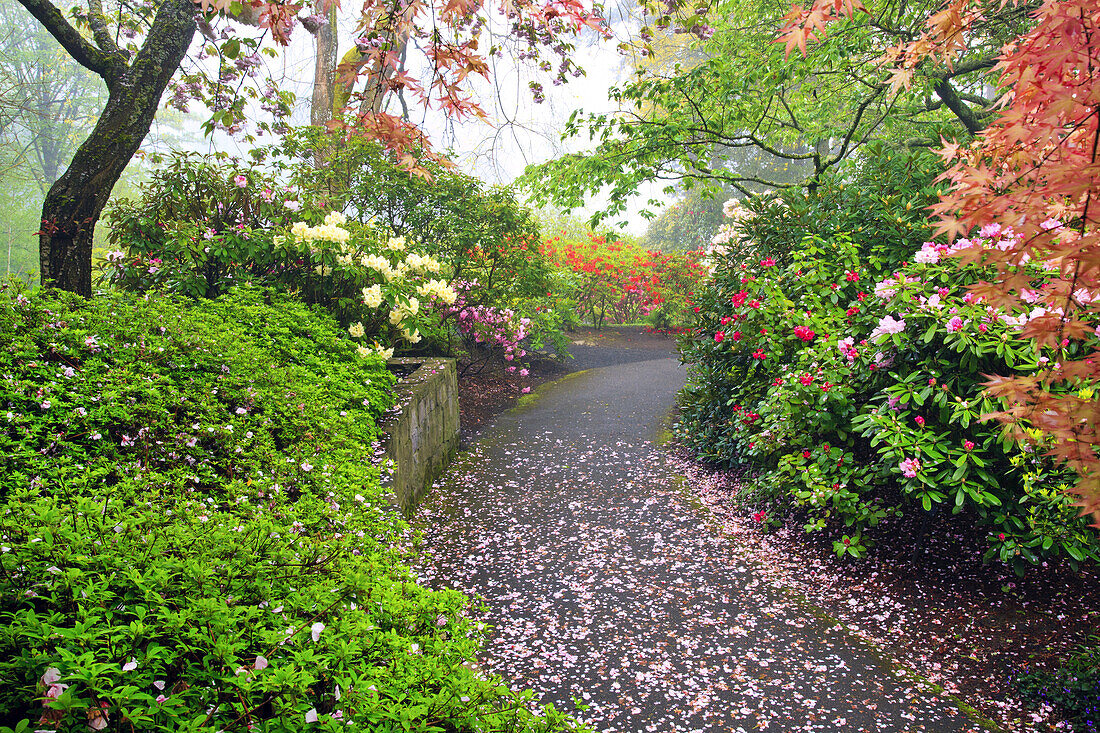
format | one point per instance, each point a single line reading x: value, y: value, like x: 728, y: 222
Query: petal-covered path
x: 608, y: 587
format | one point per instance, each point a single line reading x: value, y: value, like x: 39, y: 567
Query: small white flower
x: 315, y: 630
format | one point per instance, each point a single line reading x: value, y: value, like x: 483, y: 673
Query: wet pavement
x: 607, y: 588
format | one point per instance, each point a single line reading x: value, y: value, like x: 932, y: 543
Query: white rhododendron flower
x: 372, y: 296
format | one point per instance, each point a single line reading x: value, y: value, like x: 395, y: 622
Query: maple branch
x: 971, y: 121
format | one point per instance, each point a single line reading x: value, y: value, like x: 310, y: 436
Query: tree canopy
x: 735, y: 112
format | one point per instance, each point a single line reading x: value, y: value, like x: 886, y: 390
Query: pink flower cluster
x: 492, y: 327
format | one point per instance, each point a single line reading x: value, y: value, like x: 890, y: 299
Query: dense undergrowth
x: 193, y: 535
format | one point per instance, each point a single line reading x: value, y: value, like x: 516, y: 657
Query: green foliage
x: 686, y: 225
x: 864, y: 401
x: 880, y: 203
x: 193, y: 539
x: 194, y: 229
x: 1074, y: 687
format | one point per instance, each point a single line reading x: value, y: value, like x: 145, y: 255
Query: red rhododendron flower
x: 718, y: 337
x: 724, y: 320
x: 919, y: 420
x: 806, y: 379
x: 736, y: 335
x: 767, y: 262
x: 759, y: 354
x: 804, y: 333
x: 851, y: 276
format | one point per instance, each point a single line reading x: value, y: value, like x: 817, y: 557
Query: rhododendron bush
x: 857, y: 390
x: 203, y: 226
x: 1035, y: 163
x: 620, y: 282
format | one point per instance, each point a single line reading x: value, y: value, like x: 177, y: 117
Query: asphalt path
x: 607, y: 587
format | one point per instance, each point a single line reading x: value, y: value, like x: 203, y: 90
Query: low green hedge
x: 193, y: 536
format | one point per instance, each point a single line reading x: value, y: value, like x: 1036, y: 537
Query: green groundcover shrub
x: 193, y: 536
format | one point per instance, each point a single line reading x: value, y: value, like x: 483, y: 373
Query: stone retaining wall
x: 422, y: 437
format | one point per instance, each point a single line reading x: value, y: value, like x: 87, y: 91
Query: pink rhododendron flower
x: 767, y: 262
x: 315, y: 630
x: 909, y: 467
x: 887, y: 325
x: 968, y: 445
x: 955, y: 324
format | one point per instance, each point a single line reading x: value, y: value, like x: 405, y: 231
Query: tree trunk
x: 324, y: 70
x: 75, y: 202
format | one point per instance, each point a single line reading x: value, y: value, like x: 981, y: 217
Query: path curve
x: 605, y: 585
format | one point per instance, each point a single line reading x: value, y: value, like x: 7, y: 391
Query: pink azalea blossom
x: 909, y: 467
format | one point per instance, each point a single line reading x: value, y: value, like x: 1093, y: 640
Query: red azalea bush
x: 620, y: 282
x: 859, y: 394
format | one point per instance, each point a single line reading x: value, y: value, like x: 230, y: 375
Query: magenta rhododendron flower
x: 719, y: 337
x: 767, y: 262
x: 806, y: 380
x: 804, y: 333
x: 919, y: 420
x: 968, y: 445
x: 759, y: 354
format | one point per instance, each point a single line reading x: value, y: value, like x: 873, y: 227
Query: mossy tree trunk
x: 76, y: 200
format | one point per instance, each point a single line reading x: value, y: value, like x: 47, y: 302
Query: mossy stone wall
x: 421, y: 439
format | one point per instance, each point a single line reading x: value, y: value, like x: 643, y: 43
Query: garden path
x: 606, y: 586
